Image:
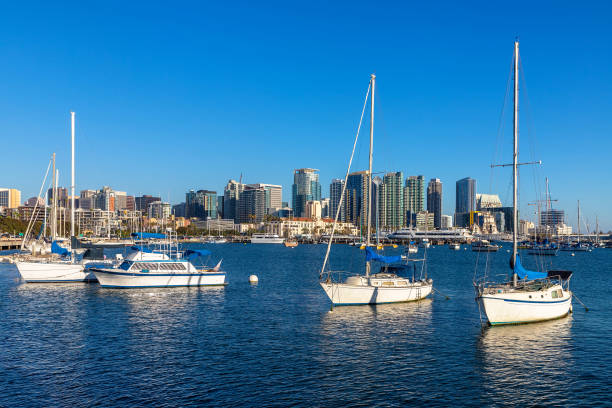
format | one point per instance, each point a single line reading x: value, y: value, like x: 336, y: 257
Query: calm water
x: 278, y: 343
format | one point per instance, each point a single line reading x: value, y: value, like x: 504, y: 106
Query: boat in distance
x: 266, y: 239
x: 143, y: 268
x: 458, y: 234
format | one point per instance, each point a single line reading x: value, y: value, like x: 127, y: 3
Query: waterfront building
x: 10, y: 197
x: 391, y: 209
x: 289, y: 228
x: 201, y: 204
x: 500, y: 221
x: 231, y: 195
x: 142, y: 203
x: 306, y: 187
x: 487, y: 201
x: 335, y: 192
x: 434, y: 200
x: 424, y: 221
x: 507, y: 224
x: 526, y: 227
x: 447, y: 221
x: 252, y: 205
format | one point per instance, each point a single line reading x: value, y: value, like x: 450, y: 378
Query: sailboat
x: 385, y: 286
x: 529, y: 296
x: 61, y: 267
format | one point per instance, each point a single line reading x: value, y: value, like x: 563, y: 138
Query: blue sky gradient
x: 173, y: 96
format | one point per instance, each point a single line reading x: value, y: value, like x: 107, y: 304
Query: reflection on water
x: 526, y: 358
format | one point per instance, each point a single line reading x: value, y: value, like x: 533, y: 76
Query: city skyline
x: 154, y: 99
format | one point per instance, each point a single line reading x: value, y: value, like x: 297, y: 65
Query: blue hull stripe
x: 149, y: 274
x: 62, y: 281
x: 540, y: 302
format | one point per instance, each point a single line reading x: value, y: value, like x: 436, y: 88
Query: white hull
x: 53, y: 272
x: 123, y: 279
x: 267, y: 240
x: 345, y: 294
x: 525, y: 307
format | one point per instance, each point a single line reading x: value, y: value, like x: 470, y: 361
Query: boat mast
x: 53, y: 203
x: 578, y: 222
x: 72, y: 177
x: 515, y: 164
x: 369, y: 209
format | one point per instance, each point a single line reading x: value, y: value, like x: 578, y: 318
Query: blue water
x: 278, y: 344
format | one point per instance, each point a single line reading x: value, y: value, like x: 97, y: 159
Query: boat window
x: 554, y: 294
x: 125, y: 265
x: 388, y: 284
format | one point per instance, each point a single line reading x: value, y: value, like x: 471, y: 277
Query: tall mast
x: 578, y: 221
x: 515, y: 162
x: 72, y: 178
x: 369, y: 209
x: 54, y: 203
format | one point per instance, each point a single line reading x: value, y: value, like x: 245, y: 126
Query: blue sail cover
x: 525, y: 273
x: 196, y: 252
x: 56, y: 249
x: 148, y: 235
x: 371, y: 255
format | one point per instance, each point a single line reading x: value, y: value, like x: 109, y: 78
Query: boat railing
x: 489, y: 287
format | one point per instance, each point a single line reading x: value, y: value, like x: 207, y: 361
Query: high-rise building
x: 10, y: 198
x: 62, y: 196
x: 159, y: 210
x: 142, y: 203
x: 487, y: 201
x: 424, y: 221
x: 178, y: 210
x: 552, y: 218
x: 465, y: 200
x: 357, y: 198
x: 252, y: 205
x: 105, y: 199
x: 447, y: 222
x: 391, y: 210
x: 414, y: 197
x: 201, y: 204
x: 325, y: 208
x: 306, y: 187
x: 231, y: 195
x: 274, y: 196
x: 335, y: 192
x: 87, y: 199
x: 313, y: 209
x: 120, y: 200
x: 130, y: 204
x: 434, y: 201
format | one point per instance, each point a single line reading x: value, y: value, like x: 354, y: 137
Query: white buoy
x: 573, y: 254
x: 253, y: 279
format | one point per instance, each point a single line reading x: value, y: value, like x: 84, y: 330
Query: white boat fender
x: 253, y: 279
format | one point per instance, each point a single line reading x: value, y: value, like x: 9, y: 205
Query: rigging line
x: 348, y: 170
x: 30, y: 224
x: 500, y: 128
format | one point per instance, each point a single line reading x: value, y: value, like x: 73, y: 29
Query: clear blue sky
x: 177, y: 95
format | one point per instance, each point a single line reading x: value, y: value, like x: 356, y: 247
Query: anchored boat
x: 386, y: 285
x: 529, y: 296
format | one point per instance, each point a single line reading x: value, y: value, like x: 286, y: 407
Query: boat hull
x: 122, y: 279
x: 342, y: 294
x: 41, y: 272
x: 518, y: 308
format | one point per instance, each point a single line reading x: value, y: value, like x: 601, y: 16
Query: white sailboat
x: 386, y: 286
x: 529, y: 296
x: 62, y: 266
